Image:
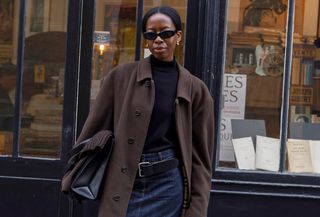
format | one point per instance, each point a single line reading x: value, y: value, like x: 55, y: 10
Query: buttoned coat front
x: 124, y: 106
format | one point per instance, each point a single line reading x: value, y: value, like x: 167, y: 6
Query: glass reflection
x: 44, y: 59
x: 8, y: 42
x: 304, y: 109
x: 114, y: 38
x: 252, y: 85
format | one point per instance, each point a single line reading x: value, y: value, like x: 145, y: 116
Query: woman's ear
x: 179, y: 36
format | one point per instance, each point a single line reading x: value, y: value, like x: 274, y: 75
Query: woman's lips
x: 159, y: 49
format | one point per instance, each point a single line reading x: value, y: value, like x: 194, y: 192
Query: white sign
x: 101, y: 37
x: 234, y: 102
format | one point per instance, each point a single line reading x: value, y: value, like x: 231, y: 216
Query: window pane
x: 114, y: 38
x: 44, y: 63
x: 252, y: 85
x: 8, y: 57
x: 181, y: 7
x: 304, y: 117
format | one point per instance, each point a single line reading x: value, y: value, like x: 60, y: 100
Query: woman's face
x: 162, y: 49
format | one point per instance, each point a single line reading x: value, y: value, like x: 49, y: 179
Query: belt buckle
x: 140, y: 170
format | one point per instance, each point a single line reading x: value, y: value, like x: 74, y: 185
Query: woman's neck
x: 159, y: 63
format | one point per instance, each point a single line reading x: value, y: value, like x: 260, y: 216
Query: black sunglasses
x: 164, y: 34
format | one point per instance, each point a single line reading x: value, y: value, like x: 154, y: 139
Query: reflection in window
x: 44, y: 60
x: 114, y: 38
x: 7, y: 95
x: 252, y: 85
x: 8, y: 43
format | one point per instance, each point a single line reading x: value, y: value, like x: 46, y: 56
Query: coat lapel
x: 144, y: 70
x: 184, y: 84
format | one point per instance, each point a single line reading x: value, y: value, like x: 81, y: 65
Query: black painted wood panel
x: 29, y: 197
x: 235, y: 205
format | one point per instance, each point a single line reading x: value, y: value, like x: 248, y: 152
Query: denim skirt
x: 159, y: 195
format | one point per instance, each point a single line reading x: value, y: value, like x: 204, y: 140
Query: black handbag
x: 88, y: 180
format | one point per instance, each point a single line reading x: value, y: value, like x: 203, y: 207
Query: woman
x: 162, y: 119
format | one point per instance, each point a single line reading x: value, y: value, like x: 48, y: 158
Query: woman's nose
x: 158, y: 39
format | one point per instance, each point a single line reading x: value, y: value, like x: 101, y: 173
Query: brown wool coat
x: 124, y: 105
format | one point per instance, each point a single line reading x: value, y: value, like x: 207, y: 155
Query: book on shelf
x: 303, y: 156
x: 302, y: 71
x: 305, y: 66
x: 295, y: 71
x: 306, y: 72
x: 316, y: 71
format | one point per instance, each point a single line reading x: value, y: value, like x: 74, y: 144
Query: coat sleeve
x: 101, y: 114
x: 203, y: 140
x: 100, y: 117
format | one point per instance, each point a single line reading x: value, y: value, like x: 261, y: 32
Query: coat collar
x: 184, y: 82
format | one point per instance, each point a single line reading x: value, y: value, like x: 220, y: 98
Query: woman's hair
x: 170, y: 12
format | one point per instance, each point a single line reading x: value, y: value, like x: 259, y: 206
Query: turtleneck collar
x: 163, y: 64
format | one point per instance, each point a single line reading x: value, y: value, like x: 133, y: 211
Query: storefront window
x: 303, y: 146
x: 8, y: 57
x: 252, y: 85
x: 43, y: 77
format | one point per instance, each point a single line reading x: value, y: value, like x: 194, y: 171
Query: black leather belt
x: 152, y: 168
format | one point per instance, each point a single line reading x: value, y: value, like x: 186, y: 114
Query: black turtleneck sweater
x: 162, y: 130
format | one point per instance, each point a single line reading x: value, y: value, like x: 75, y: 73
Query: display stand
x: 248, y: 127
x: 305, y: 131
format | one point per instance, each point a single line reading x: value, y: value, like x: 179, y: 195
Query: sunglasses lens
x: 167, y: 34
x: 150, y: 35
x: 164, y: 34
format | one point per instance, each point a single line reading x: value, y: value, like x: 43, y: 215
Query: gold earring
x: 147, y: 45
x: 178, y: 42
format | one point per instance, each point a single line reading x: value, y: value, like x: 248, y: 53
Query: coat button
x: 131, y: 140
x: 116, y: 197
x: 147, y: 83
x: 138, y: 113
x: 124, y: 169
